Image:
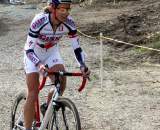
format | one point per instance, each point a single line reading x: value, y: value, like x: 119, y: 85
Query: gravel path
x: 128, y: 100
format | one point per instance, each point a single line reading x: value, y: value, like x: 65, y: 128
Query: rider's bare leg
x: 32, y: 80
x: 58, y: 67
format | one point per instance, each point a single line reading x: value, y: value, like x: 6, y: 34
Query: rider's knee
x: 63, y: 80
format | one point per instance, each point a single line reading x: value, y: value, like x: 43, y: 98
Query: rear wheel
x: 17, y: 119
x: 65, y: 116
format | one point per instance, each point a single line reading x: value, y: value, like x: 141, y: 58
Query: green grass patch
x: 153, y: 42
x: 140, y: 50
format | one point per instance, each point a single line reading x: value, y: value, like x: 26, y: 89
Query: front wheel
x: 17, y: 118
x: 65, y: 116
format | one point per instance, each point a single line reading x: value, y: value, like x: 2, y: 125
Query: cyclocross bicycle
x: 61, y: 113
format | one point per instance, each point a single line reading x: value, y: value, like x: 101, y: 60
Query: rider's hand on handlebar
x: 42, y: 68
x: 85, y: 71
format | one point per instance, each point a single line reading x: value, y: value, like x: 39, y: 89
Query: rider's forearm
x: 32, y: 56
x: 80, y: 56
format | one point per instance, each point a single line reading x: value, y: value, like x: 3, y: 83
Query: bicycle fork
x: 50, y: 109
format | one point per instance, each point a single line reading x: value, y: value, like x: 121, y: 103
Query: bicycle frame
x: 42, y: 125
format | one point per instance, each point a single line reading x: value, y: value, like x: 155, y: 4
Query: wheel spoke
x: 64, y: 118
x: 55, y: 120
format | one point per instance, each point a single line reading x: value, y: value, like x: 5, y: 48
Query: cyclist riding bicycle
x: 41, y: 48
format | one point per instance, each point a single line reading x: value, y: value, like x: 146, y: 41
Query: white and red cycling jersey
x: 41, y: 34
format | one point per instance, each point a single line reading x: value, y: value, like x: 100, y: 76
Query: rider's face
x: 62, y: 11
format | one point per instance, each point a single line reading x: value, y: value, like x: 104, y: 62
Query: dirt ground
x: 130, y: 96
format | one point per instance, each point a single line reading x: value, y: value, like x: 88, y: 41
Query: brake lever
x: 47, y: 66
x: 46, y: 73
x: 86, y: 69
